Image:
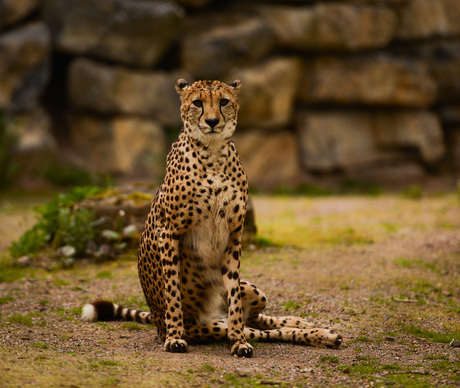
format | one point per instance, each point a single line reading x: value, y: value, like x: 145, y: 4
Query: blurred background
x: 346, y: 89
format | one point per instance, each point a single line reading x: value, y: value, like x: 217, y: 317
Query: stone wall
x: 365, y: 88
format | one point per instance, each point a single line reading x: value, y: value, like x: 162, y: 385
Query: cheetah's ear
x: 235, y: 84
x: 181, y: 84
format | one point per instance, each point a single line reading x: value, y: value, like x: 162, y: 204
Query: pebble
x: 24, y: 261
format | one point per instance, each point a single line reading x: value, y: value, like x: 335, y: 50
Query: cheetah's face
x: 209, y: 109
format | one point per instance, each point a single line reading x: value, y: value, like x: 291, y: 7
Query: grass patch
x: 61, y: 282
x: 291, y: 305
x: 261, y: 242
x: 329, y: 359
x: 207, y: 368
x: 408, y: 380
x: 235, y: 380
x: 436, y: 357
x: 6, y: 299
x: 360, y: 338
x: 109, y: 363
x: 133, y: 326
x: 415, y: 263
x: 347, y: 237
x: 106, y: 326
x: 446, y: 365
x: 433, y: 336
x: 11, y: 271
x: 22, y: 319
x: 104, y: 275
x: 40, y: 345
x: 413, y: 192
x: 75, y: 311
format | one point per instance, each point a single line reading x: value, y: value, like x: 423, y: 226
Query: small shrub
x: 59, y: 224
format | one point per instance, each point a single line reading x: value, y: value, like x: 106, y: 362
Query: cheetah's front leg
x: 231, y: 278
x: 173, y: 317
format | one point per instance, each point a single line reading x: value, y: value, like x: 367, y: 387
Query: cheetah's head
x: 209, y: 109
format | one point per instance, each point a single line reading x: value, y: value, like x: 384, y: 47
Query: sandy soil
x: 382, y: 270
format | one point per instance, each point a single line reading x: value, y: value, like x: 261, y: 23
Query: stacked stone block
x: 361, y: 87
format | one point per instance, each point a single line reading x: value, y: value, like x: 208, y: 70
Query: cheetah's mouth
x: 210, y: 131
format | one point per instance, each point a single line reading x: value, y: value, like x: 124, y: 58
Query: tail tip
x: 89, y: 313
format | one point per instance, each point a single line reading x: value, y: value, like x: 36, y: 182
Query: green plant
x: 59, y: 224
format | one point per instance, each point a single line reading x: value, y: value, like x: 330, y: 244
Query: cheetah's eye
x: 197, y: 103
x: 224, y: 102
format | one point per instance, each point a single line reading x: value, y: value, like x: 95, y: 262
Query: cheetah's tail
x: 101, y: 310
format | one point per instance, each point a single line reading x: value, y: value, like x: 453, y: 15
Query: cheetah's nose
x: 212, y: 122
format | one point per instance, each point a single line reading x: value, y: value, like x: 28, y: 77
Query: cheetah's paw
x: 175, y: 345
x: 333, y: 340
x: 242, y: 349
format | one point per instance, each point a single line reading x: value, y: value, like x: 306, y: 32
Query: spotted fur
x: 190, y: 248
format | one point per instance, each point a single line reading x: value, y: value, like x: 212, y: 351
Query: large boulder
x: 213, y: 51
x: 267, y: 97
x: 11, y: 11
x: 428, y: 18
x: 128, y: 146
x: 35, y: 147
x: 443, y: 59
x: 270, y: 159
x: 113, y: 90
x: 350, y: 139
x: 417, y: 130
x: 193, y: 3
x: 24, y: 66
x: 453, y: 147
x: 376, y: 80
x: 332, y: 26
x: 450, y: 115
x: 132, y: 32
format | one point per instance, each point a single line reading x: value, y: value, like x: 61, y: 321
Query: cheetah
x: 190, y: 247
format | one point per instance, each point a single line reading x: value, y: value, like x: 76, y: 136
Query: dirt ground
x: 383, y: 270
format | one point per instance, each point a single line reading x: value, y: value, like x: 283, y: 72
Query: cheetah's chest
x: 209, y: 235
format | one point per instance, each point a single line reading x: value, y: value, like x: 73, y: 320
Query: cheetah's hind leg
x: 323, y: 338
